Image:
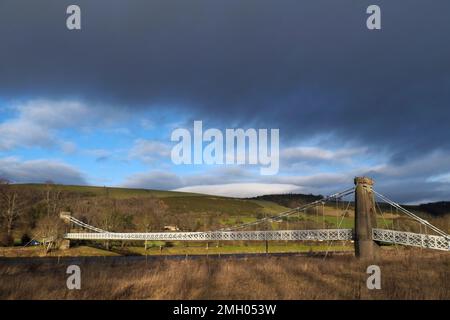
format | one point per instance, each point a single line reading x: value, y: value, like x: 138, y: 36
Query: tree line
x: 32, y: 212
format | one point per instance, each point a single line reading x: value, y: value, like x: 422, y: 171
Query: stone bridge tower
x: 365, y: 219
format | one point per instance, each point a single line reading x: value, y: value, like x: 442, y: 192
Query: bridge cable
x: 412, y: 215
x: 384, y: 221
x: 85, y: 225
x: 338, y: 225
x: 290, y: 211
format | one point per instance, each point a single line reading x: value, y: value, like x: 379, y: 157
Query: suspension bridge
x: 365, y: 234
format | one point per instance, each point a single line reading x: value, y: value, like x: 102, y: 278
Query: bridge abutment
x: 365, y: 219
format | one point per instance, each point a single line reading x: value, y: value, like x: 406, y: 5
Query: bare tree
x: 8, y: 203
x: 49, y: 230
x: 14, y: 202
x: 151, y: 217
x: 52, y: 198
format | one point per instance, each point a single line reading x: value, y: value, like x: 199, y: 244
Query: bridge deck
x: 319, y: 234
x: 411, y: 239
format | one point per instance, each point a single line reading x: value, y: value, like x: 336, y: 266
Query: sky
x: 97, y: 106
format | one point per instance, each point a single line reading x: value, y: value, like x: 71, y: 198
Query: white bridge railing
x: 319, y: 234
x: 382, y: 235
x: 411, y: 239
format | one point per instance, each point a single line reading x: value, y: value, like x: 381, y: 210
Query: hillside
x: 293, y: 200
x: 271, y: 203
x: 123, y: 209
x: 177, y: 202
x: 113, y: 192
x: 436, y: 208
x: 290, y: 200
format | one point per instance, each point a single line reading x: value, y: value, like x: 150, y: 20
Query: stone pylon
x: 365, y: 219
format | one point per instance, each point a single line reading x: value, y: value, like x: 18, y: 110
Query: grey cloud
x: 310, y: 68
x: 234, y: 174
x: 307, y: 67
x: 159, y: 180
x: 36, y: 122
x: 242, y: 190
x: 39, y: 171
x: 168, y: 180
x: 423, y: 167
x: 225, y: 179
x: 405, y: 183
x: 293, y: 156
x: 149, y: 151
x: 413, y: 181
x: 414, y: 191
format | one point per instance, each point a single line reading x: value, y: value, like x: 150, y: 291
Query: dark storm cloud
x: 39, y: 171
x: 307, y: 67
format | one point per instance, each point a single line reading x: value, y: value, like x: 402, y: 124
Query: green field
x: 245, y: 248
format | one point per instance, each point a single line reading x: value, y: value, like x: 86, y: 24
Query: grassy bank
x: 176, y: 248
x: 406, y: 274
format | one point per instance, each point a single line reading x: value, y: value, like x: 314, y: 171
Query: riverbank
x: 405, y: 274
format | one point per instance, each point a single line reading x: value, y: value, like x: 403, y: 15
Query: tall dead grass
x: 406, y: 274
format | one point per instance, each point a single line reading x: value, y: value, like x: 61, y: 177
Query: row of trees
x: 26, y: 212
x: 33, y: 211
x: 144, y: 214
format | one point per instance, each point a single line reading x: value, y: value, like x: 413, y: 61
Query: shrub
x: 25, y: 239
x: 168, y: 244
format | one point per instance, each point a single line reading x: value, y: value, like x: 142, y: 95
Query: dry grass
x: 408, y: 274
x: 178, y: 248
x: 39, y: 251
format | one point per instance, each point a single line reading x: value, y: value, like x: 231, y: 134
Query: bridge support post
x: 365, y: 219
